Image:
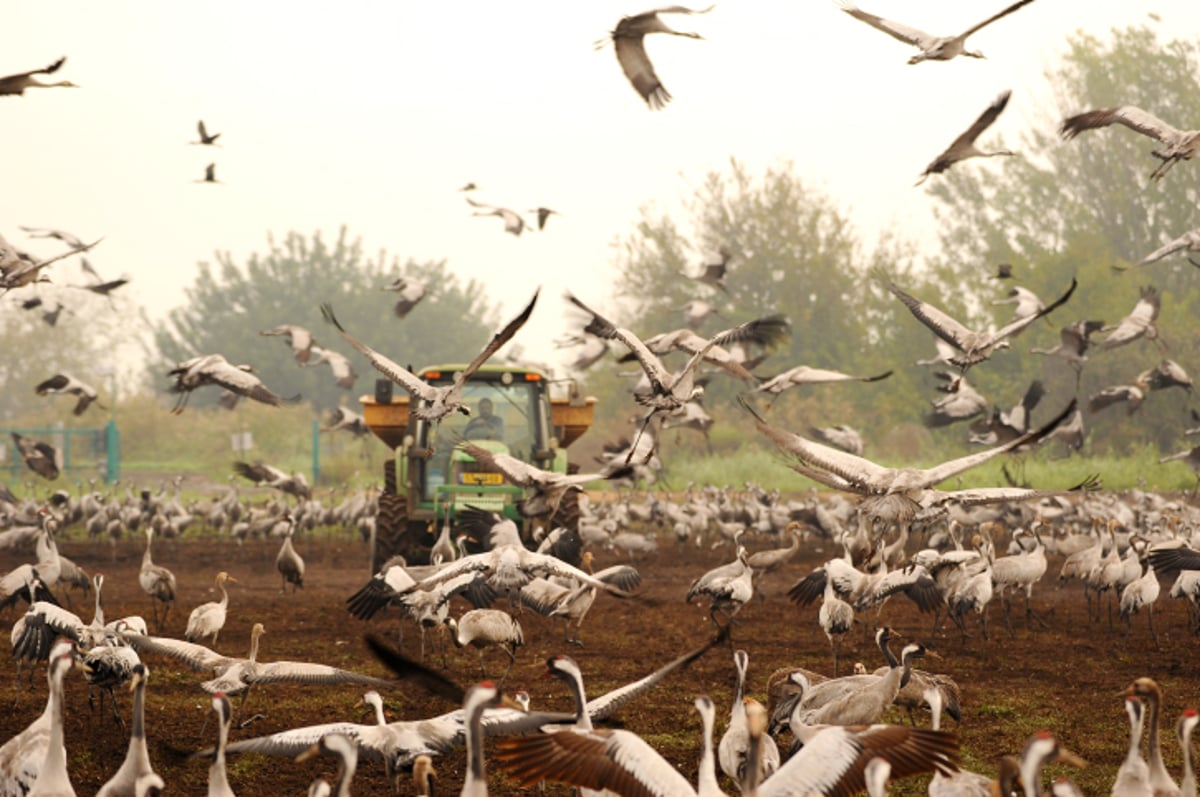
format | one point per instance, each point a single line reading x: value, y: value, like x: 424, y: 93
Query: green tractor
x: 512, y: 412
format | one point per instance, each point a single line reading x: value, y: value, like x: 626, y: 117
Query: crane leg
x: 1150, y: 619
x: 1007, y: 606
x: 512, y: 659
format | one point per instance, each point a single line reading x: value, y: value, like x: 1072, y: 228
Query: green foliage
x: 86, y: 341
x: 229, y: 305
x: 1076, y: 209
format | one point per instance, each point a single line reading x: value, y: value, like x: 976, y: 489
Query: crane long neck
x: 583, y: 720
x: 224, y: 594
x: 218, y: 780
x: 476, y: 779
x: 1156, y: 761
x: 347, y: 765
x: 137, y: 735
x: 56, y: 752
x: 706, y: 778
x: 98, y: 615
x: 1136, y: 724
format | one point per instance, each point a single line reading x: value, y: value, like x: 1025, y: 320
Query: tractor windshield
x: 510, y: 414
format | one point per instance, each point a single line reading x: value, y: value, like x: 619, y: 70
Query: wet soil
x: 1066, y: 678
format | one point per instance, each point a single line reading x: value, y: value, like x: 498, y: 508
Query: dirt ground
x: 1066, y: 678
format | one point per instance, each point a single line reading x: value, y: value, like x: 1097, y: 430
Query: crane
x: 933, y: 48
x: 1176, y: 144
x: 16, y: 84
x: 436, y: 402
x: 627, y: 39
x: 964, y: 147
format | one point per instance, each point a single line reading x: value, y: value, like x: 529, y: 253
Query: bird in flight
x: 16, y: 84
x: 210, y: 174
x: 549, y: 488
x: 205, y: 138
x: 713, y: 273
x: 42, y: 458
x: 668, y: 391
x: 513, y: 222
x: 974, y: 347
x: 631, y: 51
x: 964, y: 147
x: 214, y: 369
x: 436, y: 401
x: 891, y: 493
x: 543, y: 214
x: 65, y: 383
x: 933, y: 48
x: 411, y: 292
x: 1177, y: 144
x: 299, y: 339
x: 767, y: 331
x: 1188, y: 242
x: 1140, y: 323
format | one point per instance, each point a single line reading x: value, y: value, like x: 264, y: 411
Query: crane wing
x: 945, y: 327
x: 617, y: 761
x: 631, y: 55
x: 1018, y: 324
x: 1129, y: 115
x: 995, y: 17
x: 389, y: 368
x: 982, y: 123
x: 939, y: 473
x: 905, y: 33
x: 233, y: 378
x: 498, y: 340
x: 197, y: 657
x: 856, y: 471
x: 606, y: 705
x: 304, y: 672
x: 1169, y: 249
x: 601, y: 327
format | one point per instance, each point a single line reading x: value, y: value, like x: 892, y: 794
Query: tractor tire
x: 391, y: 521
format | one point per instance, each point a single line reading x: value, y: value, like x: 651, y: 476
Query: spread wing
x: 954, y: 467
x: 982, y: 123
x: 389, y: 368
x: 995, y: 17
x: 1020, y: 323
x: 945, y: 327
x: 905, y: 33
x: 601, y: 327
x: 498, y: 340
x: 197, y: 657
x: 239, y: 381
x: 1132, y: 117
x: 857, y: 472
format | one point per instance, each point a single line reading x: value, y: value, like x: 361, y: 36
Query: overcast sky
x: 374, y: 114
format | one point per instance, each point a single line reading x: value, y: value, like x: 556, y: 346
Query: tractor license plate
x: 482, y: 478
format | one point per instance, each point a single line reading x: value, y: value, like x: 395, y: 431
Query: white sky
x: 373, y: 114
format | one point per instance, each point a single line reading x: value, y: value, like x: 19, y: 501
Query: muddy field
x: 1066, y: 678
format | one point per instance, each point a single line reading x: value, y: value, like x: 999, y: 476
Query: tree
x: 227, y: 307
x: 87, y: 340
x: 791, y: 250
x: 1078, y: 207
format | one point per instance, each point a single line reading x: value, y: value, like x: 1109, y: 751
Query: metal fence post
x: 316, y: 452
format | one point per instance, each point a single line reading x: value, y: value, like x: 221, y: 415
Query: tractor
x: 432, y: 479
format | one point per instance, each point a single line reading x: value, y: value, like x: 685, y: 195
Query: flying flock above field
x: 667, y: 395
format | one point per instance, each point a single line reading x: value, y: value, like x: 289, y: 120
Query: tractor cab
x: 511, y: 412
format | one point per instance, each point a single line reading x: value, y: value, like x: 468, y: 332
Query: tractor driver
x: 486, y: 425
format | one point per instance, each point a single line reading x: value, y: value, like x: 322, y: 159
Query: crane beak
x: 309, y: 753
x: 1065, y: 756
x: 507, y: 701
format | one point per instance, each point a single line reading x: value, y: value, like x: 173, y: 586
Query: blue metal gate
x: 81, y: 449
